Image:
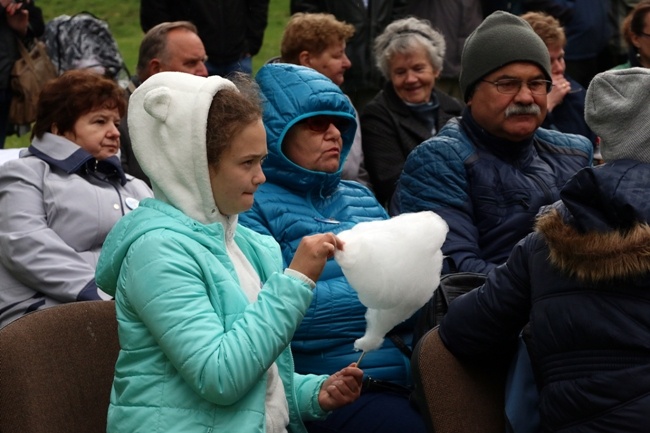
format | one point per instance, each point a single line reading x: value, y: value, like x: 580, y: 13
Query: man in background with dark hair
x: 170, y: 46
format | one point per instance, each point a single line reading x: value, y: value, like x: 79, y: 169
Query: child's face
x: 236, y: 178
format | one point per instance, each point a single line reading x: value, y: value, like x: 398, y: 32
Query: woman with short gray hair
x: 409, y: 109
x: 405, y: 35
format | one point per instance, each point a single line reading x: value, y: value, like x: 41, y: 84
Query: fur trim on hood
x: 168, y: 116
x: 595, y: 256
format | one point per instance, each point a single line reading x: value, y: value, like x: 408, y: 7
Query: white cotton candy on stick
x: 394, y: 265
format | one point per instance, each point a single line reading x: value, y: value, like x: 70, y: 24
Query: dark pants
x: 5, y: 101
x: 373, y: 412
x: 244, y: 65
x: 584, y: 70
x: 450, y: 86
x: 361, y: 97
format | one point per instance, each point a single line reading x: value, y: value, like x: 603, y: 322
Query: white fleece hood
x: 168, y: 116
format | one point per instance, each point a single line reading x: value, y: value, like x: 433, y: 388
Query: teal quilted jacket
x: 179, y: 275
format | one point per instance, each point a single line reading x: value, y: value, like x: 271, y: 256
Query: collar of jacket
x: 427, y: 112
x: 405, y: 115
x: 65, y: 155
x: 506, y: 150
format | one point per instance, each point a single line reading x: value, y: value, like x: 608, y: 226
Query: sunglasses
x: 322, y: 123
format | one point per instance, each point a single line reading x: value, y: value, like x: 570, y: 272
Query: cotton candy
x: 394, y: 265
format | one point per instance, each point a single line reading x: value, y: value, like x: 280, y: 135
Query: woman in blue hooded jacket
x: 310, y: 126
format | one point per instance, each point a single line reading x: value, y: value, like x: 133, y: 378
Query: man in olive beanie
x: 502, y: 38
x: 488, y: 172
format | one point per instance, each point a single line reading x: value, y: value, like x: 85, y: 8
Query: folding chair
x: 455, y: 397
x: 56, y: 369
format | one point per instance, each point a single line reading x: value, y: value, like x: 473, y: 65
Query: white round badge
x: 131, y: 202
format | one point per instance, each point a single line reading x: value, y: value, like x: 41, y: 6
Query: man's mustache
x: 519, y: 109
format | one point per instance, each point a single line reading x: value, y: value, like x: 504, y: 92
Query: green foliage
x: 278, y: 17
x: 123, y: 17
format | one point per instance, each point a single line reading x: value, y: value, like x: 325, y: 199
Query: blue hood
x: 291, y: 93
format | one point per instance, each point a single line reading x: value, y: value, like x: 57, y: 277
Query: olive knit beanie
x: 502, y: 38
x: 617, y: 109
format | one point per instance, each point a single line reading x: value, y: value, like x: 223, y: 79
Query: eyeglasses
x: 322, y: 123
x: 512, y: 86
x: 647, y: 35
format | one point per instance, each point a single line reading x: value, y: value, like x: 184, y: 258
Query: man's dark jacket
x: 229, y: 29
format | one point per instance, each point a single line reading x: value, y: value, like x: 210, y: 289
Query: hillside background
x: 123, y: 17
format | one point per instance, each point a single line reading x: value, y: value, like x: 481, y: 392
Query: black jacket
x: 229, y: 29
x: 389, y: 132
x: 8, y: 40
x: 582, y: 280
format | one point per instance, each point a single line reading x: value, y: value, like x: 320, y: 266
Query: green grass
x: 123, y: 17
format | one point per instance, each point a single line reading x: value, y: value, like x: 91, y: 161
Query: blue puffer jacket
x: 295, y: 202
x: 582, y: 279
x: 488, y: 197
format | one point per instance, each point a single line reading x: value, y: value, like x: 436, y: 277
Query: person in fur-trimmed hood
x: 581, y: 280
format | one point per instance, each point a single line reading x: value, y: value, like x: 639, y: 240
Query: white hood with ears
x: 167, y: 118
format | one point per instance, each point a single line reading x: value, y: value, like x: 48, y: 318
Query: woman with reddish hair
x: 61, y: 197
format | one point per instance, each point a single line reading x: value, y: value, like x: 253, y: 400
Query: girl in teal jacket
x: 205, y: 312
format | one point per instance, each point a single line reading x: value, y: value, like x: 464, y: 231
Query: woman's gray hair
x: 405, y: 35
